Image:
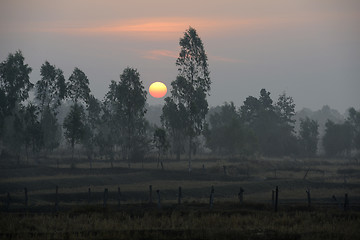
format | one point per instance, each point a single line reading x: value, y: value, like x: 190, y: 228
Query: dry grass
x: 226, y: 221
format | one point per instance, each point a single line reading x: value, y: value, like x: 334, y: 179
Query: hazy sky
x: 308, y: 48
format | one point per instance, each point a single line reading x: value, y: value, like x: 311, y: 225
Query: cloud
x: 160, y: 53
x: 158, y: 27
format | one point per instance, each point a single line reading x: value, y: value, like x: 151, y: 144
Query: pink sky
x: 308, y: 48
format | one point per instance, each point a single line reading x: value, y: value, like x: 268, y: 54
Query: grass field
x: 78, y: 218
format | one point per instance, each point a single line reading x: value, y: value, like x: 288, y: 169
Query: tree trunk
x: 27, y: 154
x: 73, y: 149
x: 90, y: 160
x: 190, y: 149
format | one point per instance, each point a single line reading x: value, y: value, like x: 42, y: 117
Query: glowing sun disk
x: 157, y: 89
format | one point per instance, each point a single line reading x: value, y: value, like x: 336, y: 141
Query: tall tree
x: 14, y: 88
x: 160, y: 142
x: 285, y: 111
x: 131, y: 98
x: 225, y: 133
x: 50, y: 91
x: 192, y: 84
x: 110, y: 134
x: 308, y: 136
x: 285, y: 107
x: 14, y: 82
x: 271, y: 123
x: 174, y: 120
x: 51, y: 88
x: 74, y: 126
x: 33, y: 135
x: 91, y: 128
x: 125, y: 103
x: 79, y: 93
x: 78, y: 87
x: 260, y: 116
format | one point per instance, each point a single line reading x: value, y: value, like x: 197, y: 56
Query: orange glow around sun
x: 157, y: 89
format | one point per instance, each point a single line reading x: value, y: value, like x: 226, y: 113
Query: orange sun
x: 157, y: 89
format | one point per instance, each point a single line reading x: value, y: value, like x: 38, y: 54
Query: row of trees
x: 116, y: 127
x: 118, y: 121
x: 342, y: 138
x: 259, y: 126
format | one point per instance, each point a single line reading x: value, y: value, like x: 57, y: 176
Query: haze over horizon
x: 307, y: 48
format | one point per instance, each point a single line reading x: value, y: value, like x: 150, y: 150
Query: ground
x: 80, y: 217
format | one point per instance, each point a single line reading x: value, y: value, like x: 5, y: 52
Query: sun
x: 157, y: 89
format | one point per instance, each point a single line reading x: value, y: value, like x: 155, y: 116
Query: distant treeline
x: 116, y: 128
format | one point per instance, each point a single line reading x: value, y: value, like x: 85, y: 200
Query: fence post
x: 241, y: 195
x: 89, y: 195
x: 179, y: 196
x: 273, y: 198
x: 8, y: 199
x: 26, y: 197
x: 276, y: 198
x: 308, y: 197
x: 150, y: 194
x: 105, y: 197
x: 119, y: 196
x: 346, y: 202
x: 159, y: 201
x: 212, y: 197
x: 57, y: 198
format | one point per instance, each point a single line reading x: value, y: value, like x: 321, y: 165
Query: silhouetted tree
x: 125, y: 110
x: 78, y: 87
x: 14, y: 82
x: 110, y: 133
x: 51, y: 88
x: 33, y: 135
x: 50, y: 91
x: 285, y: 110
x: 91, y: 128
x: 260, y: 116
x: 51, y: 129
x: 224, y: 133
x: 272, y: 124
x: 14, y: 88
x: 174, y: 120
x: 160, y: 142
x: 191, y: 86
x: 78, y: 92
x: 74, y: 126
x: 337, y: 140
x: 354, y: 121
x: 308, y: 136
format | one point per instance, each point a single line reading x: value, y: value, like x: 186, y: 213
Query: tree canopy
x: 191, y: 86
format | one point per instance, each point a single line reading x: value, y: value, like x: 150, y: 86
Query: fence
x: 343, y: 204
